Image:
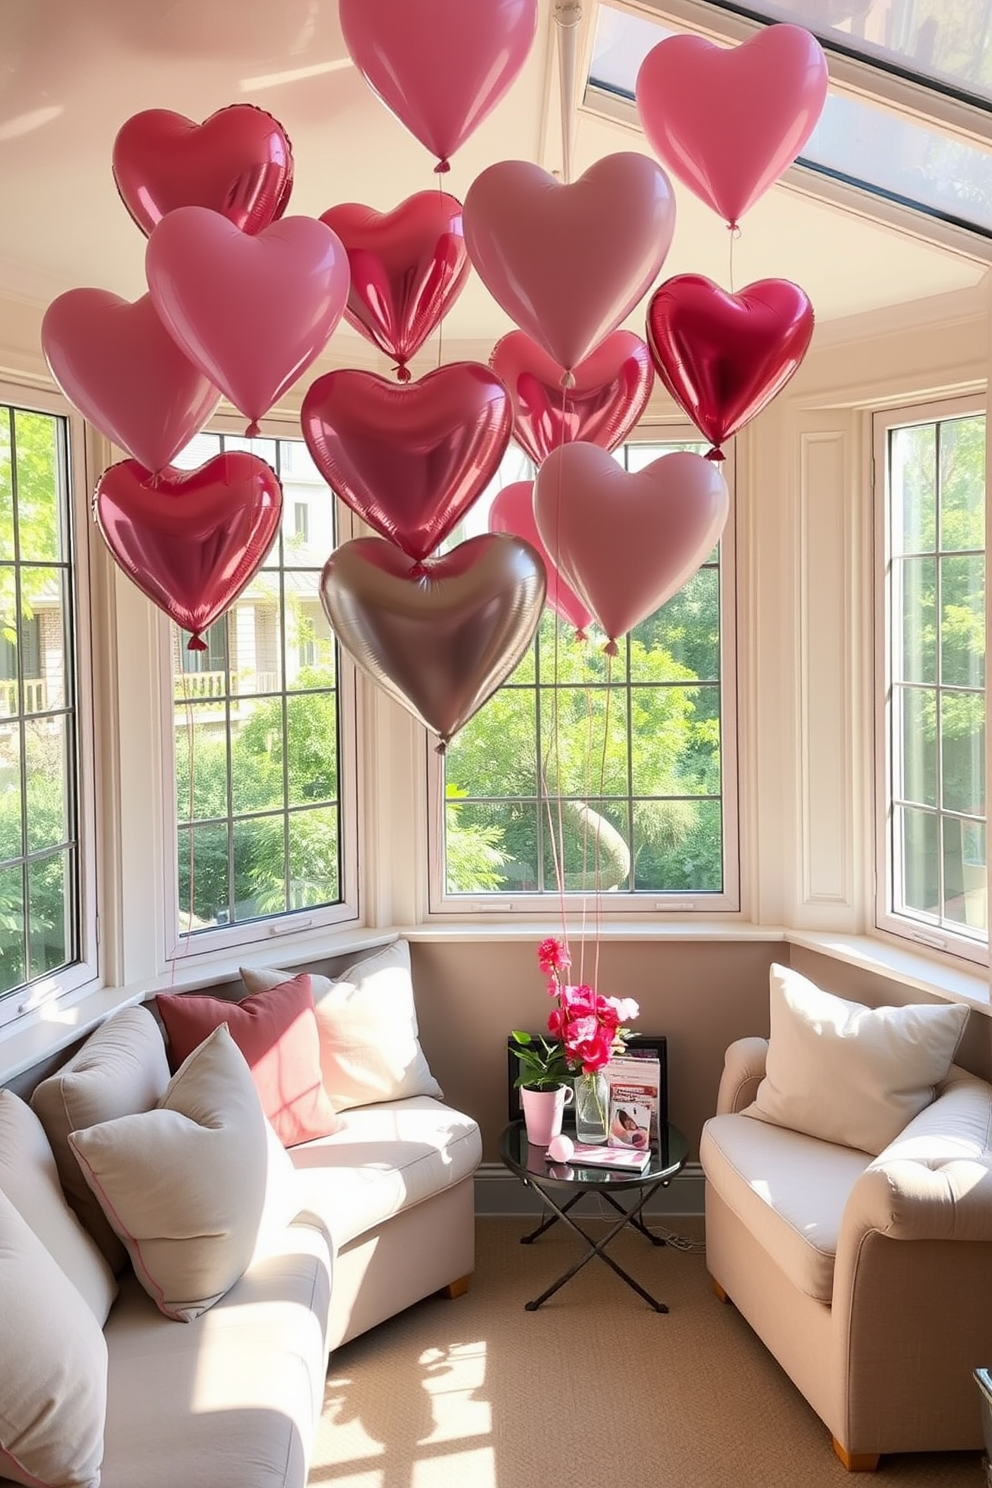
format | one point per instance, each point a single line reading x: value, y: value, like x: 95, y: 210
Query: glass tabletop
x: 533, y: 1163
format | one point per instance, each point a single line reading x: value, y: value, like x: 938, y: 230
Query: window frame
x: 887, y: 919
x: 442, y: 906
x: 83, y: 973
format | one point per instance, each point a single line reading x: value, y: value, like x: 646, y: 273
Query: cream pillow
x: 184, y: 1185
x: 851, y: 1074
x: 53, y: 1364
x: 369, y: 1040
x: 121, y: 1068
x: 30, y: 1180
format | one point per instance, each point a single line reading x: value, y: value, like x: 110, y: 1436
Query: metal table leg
x: 594, y: 1247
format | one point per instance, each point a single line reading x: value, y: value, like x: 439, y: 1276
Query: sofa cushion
x: 386, y: 1158
x: 787, y: 1188
x: 30, y: 1180
x: 848, y: 1073
x: 53, y: 1364
x: 184, y: 1186
x: 276, y: 1031
x: 369, y: 1038
x: 121, y: 1068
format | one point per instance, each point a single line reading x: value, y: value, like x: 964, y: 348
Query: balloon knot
x: 196, y: 643
x: 611, y: 648
x: 419, y: 570
x: 442, y: 748
x: 442, y: 168
x: 403, y: 374
x: 568, y: 380
x: 580, y: 635
x: 735, y: 228
x: 252, y: 431
x: 715, y: 454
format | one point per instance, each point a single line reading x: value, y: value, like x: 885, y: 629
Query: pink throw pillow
x: 276, y: 1032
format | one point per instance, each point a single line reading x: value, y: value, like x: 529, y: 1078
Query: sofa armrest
x: 743, y: 1071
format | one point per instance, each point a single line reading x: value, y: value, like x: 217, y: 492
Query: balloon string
x: 735, y: 233
x: 191, y: 768
x: 602, y: 801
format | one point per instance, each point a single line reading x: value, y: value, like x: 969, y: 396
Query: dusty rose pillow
x: 276, y: 1032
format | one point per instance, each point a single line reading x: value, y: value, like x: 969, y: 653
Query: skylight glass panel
x: 856, y: 141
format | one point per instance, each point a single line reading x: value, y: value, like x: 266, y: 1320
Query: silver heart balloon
x: 440, y: 635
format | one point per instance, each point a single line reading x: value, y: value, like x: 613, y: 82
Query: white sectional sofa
x: 132, y: 1196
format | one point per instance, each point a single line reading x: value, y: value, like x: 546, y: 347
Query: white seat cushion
x: 787, y: 1188
x: 386, y: 1158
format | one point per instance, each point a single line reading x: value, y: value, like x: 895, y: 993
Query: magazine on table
x: 626, y: 1159
x: 635, y: 1094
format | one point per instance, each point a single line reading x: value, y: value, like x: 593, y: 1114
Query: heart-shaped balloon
x: 727, y: 121
x: 626, y: 542
x: 440, y: 66
x: 408, y: 267
x: 568, y: 262
x: 442, y: 639
x: 409, y: 458
x: 251, y: 312
x: 238, y: 162
x: 722, y: 356
x: 117, y: 364
x: 513, y: 511
x: 610, y: 391
x: 191, y: 539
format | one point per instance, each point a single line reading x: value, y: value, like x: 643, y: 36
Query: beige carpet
x: 593, y: 1388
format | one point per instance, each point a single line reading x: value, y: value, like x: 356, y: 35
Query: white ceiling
x: 72, y: 72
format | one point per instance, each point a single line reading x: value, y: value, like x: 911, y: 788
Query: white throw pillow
x: 120, y: 1069
x: 184, y: 1186
x: 53, y: 1365
x: 851, y: 1074
x: 369, y: 1040
x: 30, y: 1180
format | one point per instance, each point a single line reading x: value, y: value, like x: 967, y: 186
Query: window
x: 932, y: 876
x: 44, y: 944
x: 598, y: 774
x: 259, y: 733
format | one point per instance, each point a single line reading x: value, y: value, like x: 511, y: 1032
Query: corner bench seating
x: 356, y: 1225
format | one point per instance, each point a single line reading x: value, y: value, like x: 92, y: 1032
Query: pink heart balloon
x: 627, y: 542
x: 117, y: 364
x: 727, y: 121
x: 408, y: 267
x: 440, y: 65
x: 569, y: 262
x: 409, y: 458
x: 251, y: 312
x: 610, y: 392
x: 513, y: 511
x: 191, y: 539
x: 723, y: 357
x: 441, y: 637
x: 238, y: 162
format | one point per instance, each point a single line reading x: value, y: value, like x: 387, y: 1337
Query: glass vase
x: 592, y: 1108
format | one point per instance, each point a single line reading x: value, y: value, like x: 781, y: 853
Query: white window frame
x: 642, y: 905
x: 82, y: 974
x: 940, y: 938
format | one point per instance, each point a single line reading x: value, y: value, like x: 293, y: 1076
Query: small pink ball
x: 560, y: 1148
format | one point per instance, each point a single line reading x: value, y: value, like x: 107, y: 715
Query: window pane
x: 201, y: 751
x: 962, y: 622
x: 914, y: 579
x: 203, y: 861
x: 492, y: 847
x: 916, y: 763
x: 12, y: 781
x: 495, y: 754
x: 686, y: 630
x: 36, y: 469
x: 7, y: 553
x: 678, y: 847
x: 312, y: 761
x: 965, y: 892
x: 913, y: 484
x: 962, y: 736
x: 259, y: 867
x: 590, y: 840
x: 918, y: 859
x: 314, y: 869
x: 45, y: 755
x: 48, y: 914
x: 962, y: 484
x: 13, y: 948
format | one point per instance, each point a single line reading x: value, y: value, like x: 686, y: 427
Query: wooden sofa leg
x: 721, y: 1295
x: 856, y: 1461
x: 455, y: 1288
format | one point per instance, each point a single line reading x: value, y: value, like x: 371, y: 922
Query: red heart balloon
x: 610, y: 392
x: 439, y: 637
x: 408, y: 267
x: 191, y: 539
x: 513, y: 511
x: 239, y: 162
x: 722, y: 356
x: 410, y: 459
x: 119, y: 366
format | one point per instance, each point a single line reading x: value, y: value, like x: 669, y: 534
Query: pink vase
x: 543, y: 1112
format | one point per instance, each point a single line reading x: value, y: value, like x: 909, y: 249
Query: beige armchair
x: 868, y: 1278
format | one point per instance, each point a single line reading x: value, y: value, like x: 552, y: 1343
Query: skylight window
x: 862, y: 143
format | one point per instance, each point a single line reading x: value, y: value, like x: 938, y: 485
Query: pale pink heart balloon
x: 568, y: 262
x: 627, y: 542
x: 727, y: 121
x: 439, y: 65
x: 251, y: 312
x: 118, y: 365
x: 513, y: 511
x: 442, y: 640
x: 409, y: 458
